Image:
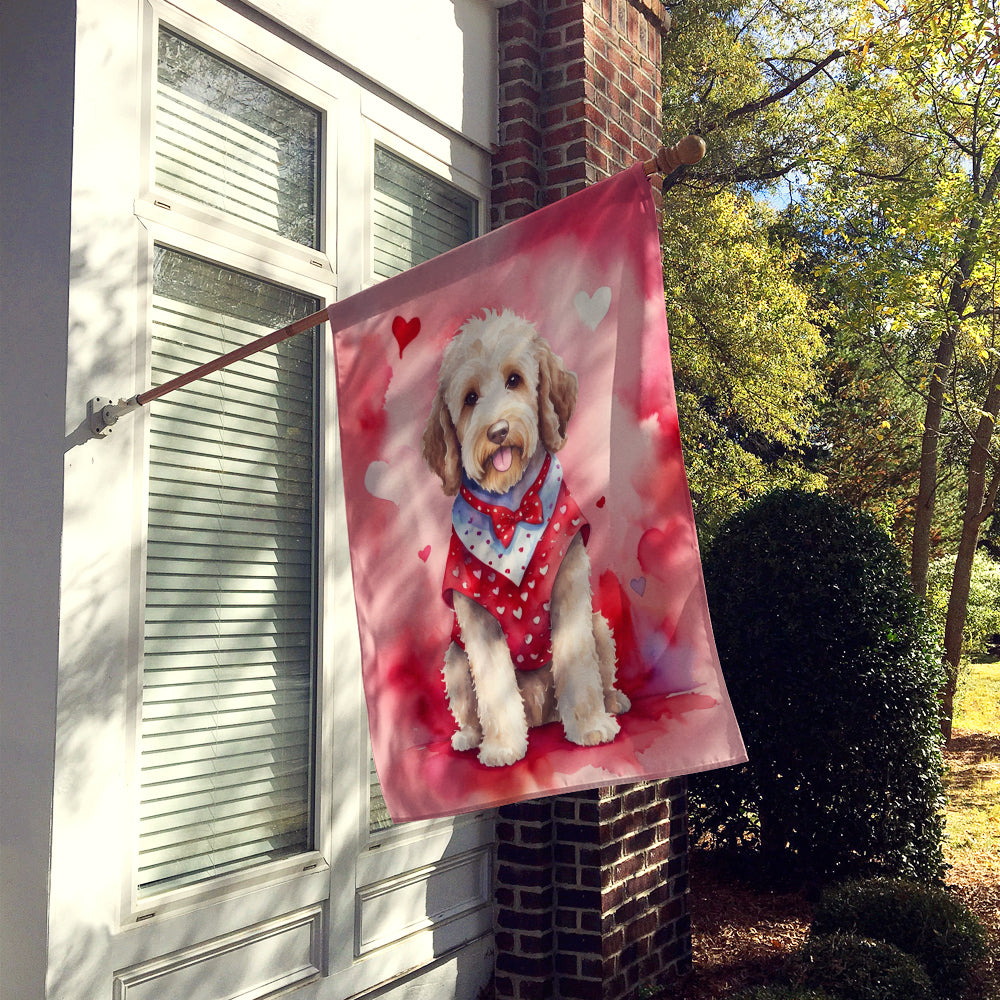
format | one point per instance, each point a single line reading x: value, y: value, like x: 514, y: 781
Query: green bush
x: 856, y: 968
x: 983, y: 612
x: 833, y: 673
x: 925, y: 922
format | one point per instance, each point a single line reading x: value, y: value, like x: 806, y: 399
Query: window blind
x: 416, y: 216
x: 228, y: 655
x: 228, y: 140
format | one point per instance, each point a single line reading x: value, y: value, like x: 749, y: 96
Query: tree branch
x: 754, y: 106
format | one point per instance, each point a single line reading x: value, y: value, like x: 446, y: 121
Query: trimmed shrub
x: 833, y: 673
x: 925, y: 922
x: 856, y: 968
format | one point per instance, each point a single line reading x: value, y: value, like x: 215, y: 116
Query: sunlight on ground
x: 978, y: 698
x: 974, y: 773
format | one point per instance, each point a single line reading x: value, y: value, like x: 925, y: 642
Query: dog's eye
x: 514, y: 380
x: 471, y: 399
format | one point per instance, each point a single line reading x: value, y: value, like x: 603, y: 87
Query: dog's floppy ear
x: 440, y: 447
x: 557, y: 389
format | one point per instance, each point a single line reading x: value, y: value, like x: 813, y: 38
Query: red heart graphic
x: 601, y: 502
x: 405, y: 331
x: 424, y: 553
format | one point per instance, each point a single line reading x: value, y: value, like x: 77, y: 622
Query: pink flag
x: 526, y: 573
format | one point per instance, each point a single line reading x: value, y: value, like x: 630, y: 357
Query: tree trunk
x: 980, y: 499
x: 920, y: 553
x: 958, y: 299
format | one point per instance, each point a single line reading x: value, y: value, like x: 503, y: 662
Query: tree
x: 746, y: 76
x: 747, y: 352
x: 880, y: 121
x: 914, y: 185
x: 746, y: 355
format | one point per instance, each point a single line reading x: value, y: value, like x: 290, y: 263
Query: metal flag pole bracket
x: 103, y: 413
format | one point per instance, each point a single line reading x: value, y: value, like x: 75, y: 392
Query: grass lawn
x: 974, y: 769
x: 973, y: 811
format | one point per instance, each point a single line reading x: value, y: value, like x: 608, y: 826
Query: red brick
x: 573, y: 988
x: 521, y: 130
x: 521, y: 91
x: 567, y: 175
x: 563, y: 54
x: 512, y: 152
x: 552, y: 38
x: 518, y: 49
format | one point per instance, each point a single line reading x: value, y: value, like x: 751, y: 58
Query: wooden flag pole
x: 103, y: 413
x: 687, y: 152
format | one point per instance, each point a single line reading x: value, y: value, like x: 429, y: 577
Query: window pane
x: 228, y: 140
x: 228, y: 656
x: 416, y: 217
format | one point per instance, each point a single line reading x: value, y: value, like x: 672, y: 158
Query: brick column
x: 579, y: 96
x: 591, y: 888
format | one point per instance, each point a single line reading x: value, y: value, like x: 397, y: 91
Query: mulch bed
x: 742, y: 934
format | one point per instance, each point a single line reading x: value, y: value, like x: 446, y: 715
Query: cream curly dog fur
x: 503, y: 402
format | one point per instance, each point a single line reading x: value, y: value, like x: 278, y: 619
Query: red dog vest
x: 506, y: 558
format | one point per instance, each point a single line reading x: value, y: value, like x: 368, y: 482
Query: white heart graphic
x: 593, y: 308
x: 517, y: 612
x: 391, y: 481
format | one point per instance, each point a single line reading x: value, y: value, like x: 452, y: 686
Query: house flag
x: 526, y: 575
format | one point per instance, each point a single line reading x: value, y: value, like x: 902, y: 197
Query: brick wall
x: 579, y: 96
x: 591, y: 888
x: 591, y: 893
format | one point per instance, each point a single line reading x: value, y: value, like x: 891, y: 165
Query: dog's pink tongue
x: 502, y: 459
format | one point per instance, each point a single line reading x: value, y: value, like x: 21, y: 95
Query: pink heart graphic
x: 659, y: 549
x: 405, y: 331
x: 638, y: 584
x: 424, y: 553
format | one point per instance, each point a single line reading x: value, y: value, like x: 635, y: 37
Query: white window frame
x: 351, y: 873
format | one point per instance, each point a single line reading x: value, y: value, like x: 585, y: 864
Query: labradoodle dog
x: 526, y: 648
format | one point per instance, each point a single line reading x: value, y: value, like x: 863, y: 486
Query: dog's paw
x: 466, y: 738
x: 597, y: 728
x: 615, y: 702
x: 493, y: 753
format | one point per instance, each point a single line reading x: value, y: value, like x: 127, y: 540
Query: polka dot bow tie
x: 505, y: 520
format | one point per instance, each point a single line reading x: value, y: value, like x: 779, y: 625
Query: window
x: 229, y: 646
x: 274, y: 183
x: 416, y: 216
x: 227, y: 140
x: 228, y: 688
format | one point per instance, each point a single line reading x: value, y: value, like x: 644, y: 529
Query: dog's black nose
x: 498, y: 432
